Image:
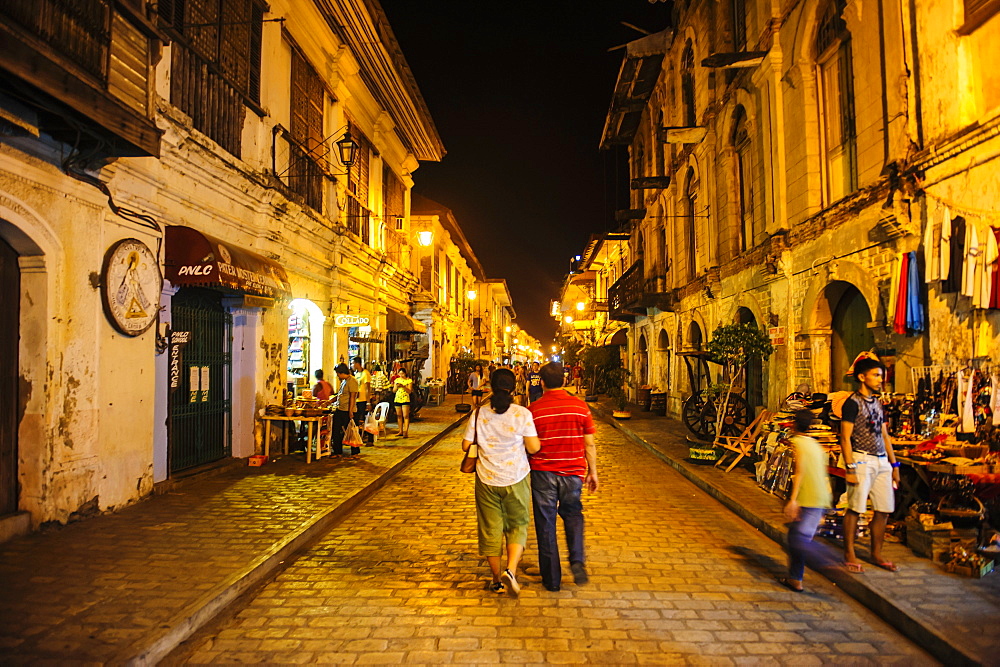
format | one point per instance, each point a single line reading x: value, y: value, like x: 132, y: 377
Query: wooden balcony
x: 87, y: 60
x: 633, y: 293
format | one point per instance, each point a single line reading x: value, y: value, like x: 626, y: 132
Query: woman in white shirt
x: 475, y: 381
x: 505, y: 435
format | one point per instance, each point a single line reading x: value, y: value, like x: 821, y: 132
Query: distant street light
x: 472, y: 294
x: 425, y: 238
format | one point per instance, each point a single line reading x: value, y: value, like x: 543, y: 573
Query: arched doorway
x: 850, y: 333
x: 755, y: 368
x: 642, y: 374
x: 701, y: 378
x: 10, y: 299
x: 663, y: 344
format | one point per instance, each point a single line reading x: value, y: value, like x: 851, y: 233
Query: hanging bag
x: 371, y: 425
x: 471, y: 456
x: 351, y: 435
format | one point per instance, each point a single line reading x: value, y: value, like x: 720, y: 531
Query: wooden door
x: 851, y: 336
x: 10, y: 300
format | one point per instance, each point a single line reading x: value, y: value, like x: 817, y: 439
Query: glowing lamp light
x: 555, y: 349
x: 425, y: 238
x: 507, y: 329
x: 348, y: 149
x: 580, y: 306
x: 568, y: 319
x: 472, y: 294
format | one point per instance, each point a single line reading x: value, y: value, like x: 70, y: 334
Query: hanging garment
x: 893, y: 301
x: 995, y: 287
x: 956, y: 255
x: 944, y: 254
x: 960, y: 399
x: 995, y: 398
x: 899, y: 321
x: 971, y: 261
x: 914, y: 306
x: 968, y: 412
x: 932, y: 252
x: 987, y: 264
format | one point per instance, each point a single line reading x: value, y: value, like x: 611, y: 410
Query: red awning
x: 194, y: 258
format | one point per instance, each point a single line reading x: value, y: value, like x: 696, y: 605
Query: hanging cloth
x: 944, y: 254
x: 971, y: 261
x: 914, y: 307
x: 956, y: 254
x: 893, y: 301
x: 995, y: 398
x: 932, y: 252
x: 899, y: 321
x: 960, y: 398
x: 987, y: 266
x: 968, y: 412
x: 995, y: 287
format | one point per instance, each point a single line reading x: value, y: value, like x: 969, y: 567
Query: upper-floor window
x: 687, y: 86
x: 308, y: 97
x: 836, y: 97
x: 664, y: 251
x: 215, y: 65
x: 744, y: 180
x: 691, y: 226
x: 739, y: 25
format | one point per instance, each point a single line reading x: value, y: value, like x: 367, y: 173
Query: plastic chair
x: 381, y: 415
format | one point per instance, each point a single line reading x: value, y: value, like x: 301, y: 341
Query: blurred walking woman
x: 506, y: 435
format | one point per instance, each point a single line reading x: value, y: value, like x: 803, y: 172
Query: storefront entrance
x: 10, y: 297
x: 755, y: 367
x: 200, y: 422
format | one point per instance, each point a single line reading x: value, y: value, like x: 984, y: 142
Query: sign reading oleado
x: 344, y: 320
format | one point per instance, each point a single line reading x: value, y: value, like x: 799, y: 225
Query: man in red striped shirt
x: 566, y: 462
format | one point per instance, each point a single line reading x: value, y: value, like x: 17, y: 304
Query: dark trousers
x: 360, y: 413
x: 552, y: 495
x: 341, y: 418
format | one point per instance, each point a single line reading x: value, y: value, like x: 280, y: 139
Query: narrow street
x: 675, y: 577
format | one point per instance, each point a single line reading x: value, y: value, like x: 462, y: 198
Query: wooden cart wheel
x: 699, y: 416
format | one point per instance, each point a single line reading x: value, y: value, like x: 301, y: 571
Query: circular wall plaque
x: 130, y: 286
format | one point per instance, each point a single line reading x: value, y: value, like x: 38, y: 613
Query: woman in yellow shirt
x: 808, y: 501
x: 403, y: 387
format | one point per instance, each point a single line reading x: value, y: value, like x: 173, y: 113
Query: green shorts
x: 502, y: 511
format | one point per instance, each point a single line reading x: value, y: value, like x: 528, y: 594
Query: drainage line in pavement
x: 921, y: 634
x: 168, y: 636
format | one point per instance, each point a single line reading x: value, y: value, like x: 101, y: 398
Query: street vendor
x: 870, y: 464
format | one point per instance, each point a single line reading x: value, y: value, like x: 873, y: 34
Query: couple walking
x: 558, y: 434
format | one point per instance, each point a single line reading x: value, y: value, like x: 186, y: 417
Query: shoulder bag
x: 471, y: 456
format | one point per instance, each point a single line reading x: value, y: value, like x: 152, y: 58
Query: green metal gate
x: 200, y: 423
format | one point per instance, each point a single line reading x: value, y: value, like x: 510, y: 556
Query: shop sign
x: 777, y: 335
x: 346, y: 320
x: 178, y: 339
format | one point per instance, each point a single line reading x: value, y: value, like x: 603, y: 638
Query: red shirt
x: 561, y: 420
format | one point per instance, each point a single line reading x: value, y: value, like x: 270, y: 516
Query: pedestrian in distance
x: 872, y: 471
x: 364, y: 379
x: 577, y: 377
x: 520, y: 385
x: 344, y: 406
x: 505, y: 435
x: 808, y: 501
x: 564, y: 464
x: 534, y: 383
x: 475, y: 383
x: 403, y: 388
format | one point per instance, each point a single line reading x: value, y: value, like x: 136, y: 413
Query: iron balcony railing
x: 633, y: 293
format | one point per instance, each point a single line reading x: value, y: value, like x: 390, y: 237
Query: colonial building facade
x: 200, y: 205
x: 789, y: 161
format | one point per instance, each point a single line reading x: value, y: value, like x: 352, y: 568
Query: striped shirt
x: 562, y: 420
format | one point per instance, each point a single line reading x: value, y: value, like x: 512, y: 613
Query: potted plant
x: 733, y: 346
x: 617, y: 378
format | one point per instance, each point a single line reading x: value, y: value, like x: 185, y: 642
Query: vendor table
x: 318, y: 421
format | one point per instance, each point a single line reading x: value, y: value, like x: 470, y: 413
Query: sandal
x: 887, y: 565
x: 790, y: 584
x: 854, y: 568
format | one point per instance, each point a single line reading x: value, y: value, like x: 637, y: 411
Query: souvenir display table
x: 318, y: 420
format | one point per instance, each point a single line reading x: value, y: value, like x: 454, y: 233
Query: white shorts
x: 874, y: 482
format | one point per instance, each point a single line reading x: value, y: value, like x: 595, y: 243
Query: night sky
x: 519, y: 92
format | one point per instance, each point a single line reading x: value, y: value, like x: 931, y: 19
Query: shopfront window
x: 305, y: 343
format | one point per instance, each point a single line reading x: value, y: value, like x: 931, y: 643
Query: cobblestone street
x: 675, y: 577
